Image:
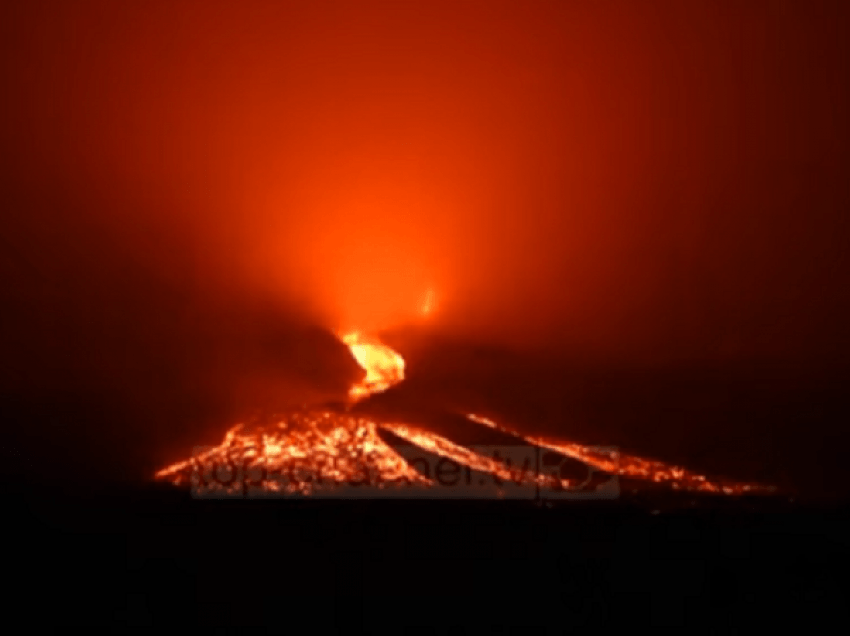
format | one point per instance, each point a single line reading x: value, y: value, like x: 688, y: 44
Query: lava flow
x: 319, y: 451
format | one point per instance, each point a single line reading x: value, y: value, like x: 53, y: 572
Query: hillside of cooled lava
x: 360, y: 449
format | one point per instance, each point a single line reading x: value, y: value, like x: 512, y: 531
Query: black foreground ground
x: 158, y: 558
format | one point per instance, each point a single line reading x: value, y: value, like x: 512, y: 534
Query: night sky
x: 654, y: 179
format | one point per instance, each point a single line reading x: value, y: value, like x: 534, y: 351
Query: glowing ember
x: 384, y: 367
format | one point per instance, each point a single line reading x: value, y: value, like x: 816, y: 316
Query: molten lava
x: 302, y: 452
x: 384, y: 367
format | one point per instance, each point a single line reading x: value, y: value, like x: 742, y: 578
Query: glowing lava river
x: 334, y: 452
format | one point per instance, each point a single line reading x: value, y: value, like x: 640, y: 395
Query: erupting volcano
x: 333, y: 451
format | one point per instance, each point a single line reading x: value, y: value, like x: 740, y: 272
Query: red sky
x: 641, y: 180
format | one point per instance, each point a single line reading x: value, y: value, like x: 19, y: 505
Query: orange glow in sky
x: 626, y: 178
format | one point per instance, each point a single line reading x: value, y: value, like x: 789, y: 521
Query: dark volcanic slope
x: 780, y: 424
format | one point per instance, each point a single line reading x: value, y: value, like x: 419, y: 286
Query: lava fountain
x: 384, y: 367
